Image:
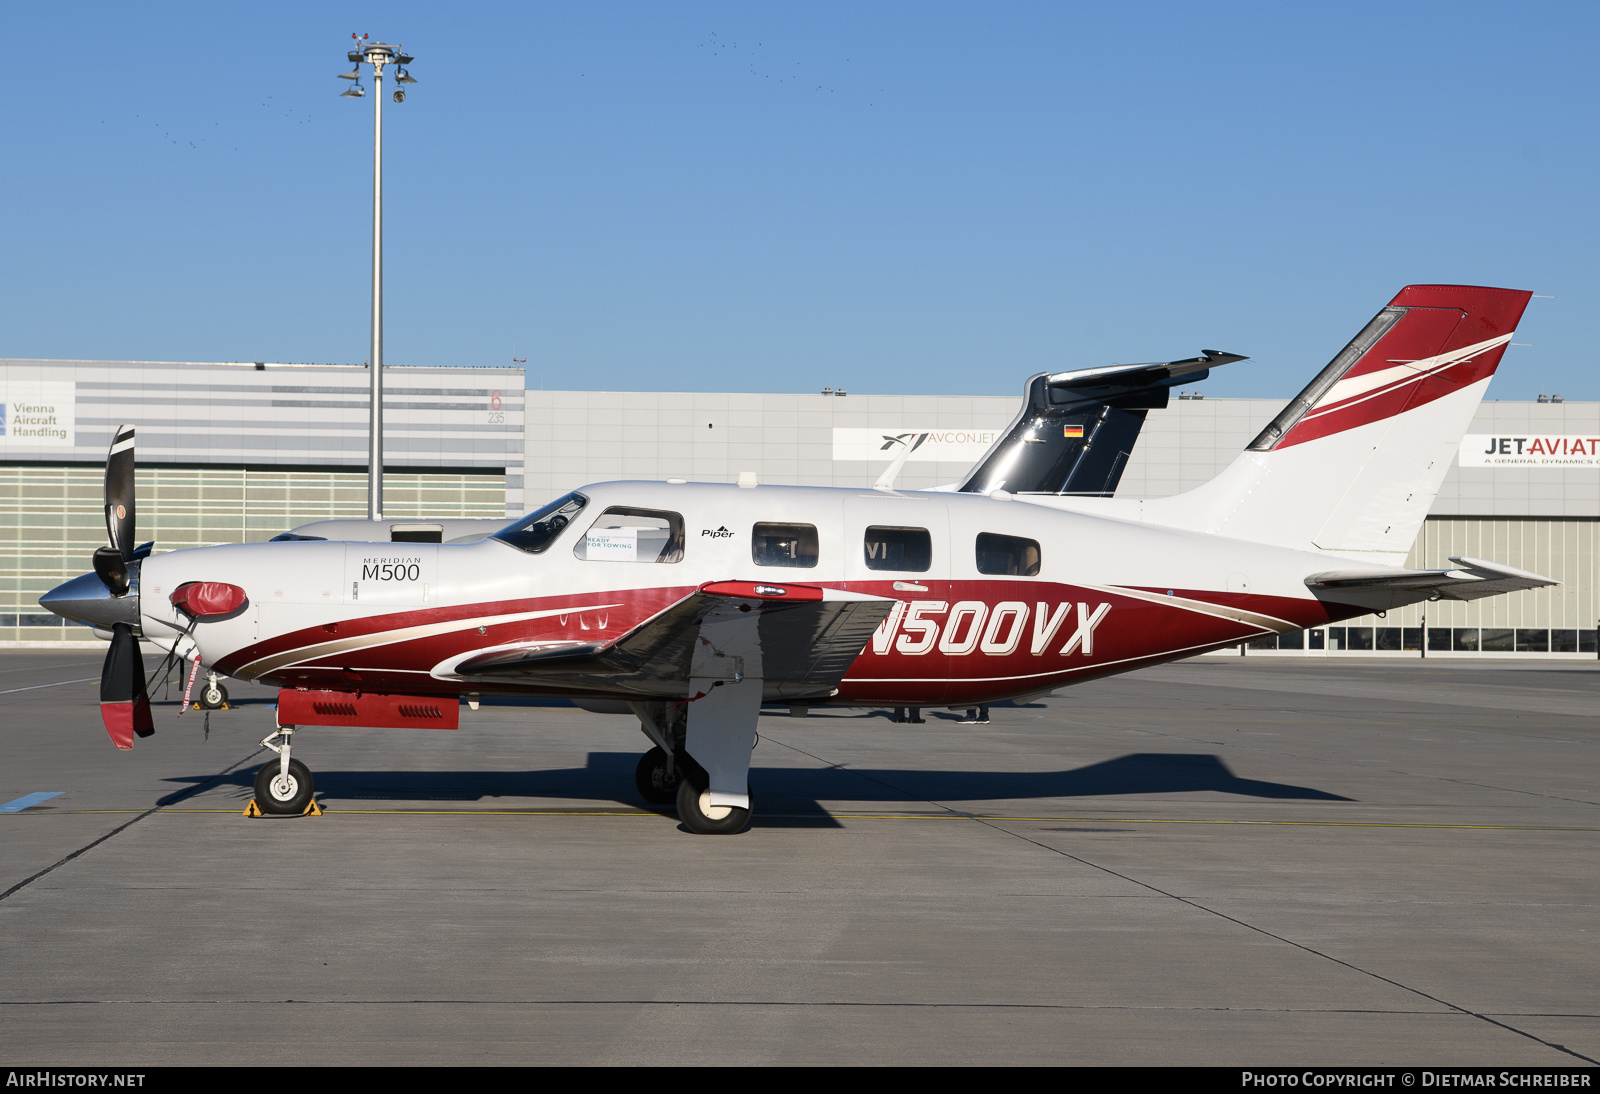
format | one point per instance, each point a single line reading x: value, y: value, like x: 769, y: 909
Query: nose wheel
x: 284, y: 793
x: 213, y: 696
x: 283, y: 786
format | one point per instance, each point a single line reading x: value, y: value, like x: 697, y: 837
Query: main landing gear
x: 657, y: 777
x: 698, y: 814
x: 668, y: 775
x: 283, y: 786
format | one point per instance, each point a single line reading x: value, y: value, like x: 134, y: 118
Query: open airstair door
x: 1077, y: 429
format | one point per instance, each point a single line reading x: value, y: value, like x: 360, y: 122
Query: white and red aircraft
x: 694, y: 603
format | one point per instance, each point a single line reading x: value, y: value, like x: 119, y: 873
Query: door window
x: 625, y: 534
x: 905, y: 549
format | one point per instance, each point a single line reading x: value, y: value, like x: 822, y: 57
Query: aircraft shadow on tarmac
x: 787, y: 795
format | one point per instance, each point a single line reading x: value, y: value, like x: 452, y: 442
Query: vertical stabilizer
x: 1351, y: 466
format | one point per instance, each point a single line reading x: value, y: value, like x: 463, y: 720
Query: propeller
x: 124, y: 703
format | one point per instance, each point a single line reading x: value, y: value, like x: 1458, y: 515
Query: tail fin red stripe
x: 1431, y: 341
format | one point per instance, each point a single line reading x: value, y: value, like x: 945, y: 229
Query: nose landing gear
x: 284, y: 786
x: 213, y: 696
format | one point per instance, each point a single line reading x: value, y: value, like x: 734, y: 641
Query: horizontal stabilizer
x: 1147, y: 374
x: 1473, y: 579
x: 1077, y: 429
x: 801, y: 642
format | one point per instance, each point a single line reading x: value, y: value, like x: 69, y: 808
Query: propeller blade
x: 119, y: 492
x: 124, y: 704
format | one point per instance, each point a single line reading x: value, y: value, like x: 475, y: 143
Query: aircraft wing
x: 1382, y: 589
x: 799, y: 640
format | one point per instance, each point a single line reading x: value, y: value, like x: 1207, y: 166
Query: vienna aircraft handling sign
x: 1562, y: 450
x: 37, y: 413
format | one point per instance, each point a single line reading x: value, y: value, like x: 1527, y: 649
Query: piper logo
x: 716, y: 533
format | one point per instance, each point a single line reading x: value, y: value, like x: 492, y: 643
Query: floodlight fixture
x: 379, y: 55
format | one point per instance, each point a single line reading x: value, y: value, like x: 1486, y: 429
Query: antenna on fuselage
x: 909, y: 443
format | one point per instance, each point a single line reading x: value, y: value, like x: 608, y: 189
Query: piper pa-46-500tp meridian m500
x: 694, y: 603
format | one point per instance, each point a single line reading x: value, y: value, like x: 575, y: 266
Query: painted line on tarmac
x: 124, y: 826
x: 987, y: 818
x: 1295, y: 824
x: 17, y: 805
x: 1303, y: 947
x: 57, y: 684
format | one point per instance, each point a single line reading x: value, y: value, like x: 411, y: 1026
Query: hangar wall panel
x: 51, y: 519
x: 278, y: 414
x: 580, y: 437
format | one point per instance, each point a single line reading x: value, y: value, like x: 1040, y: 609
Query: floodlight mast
x: 378, y: 55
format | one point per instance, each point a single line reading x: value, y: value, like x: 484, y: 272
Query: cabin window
x: 1012, y: 556
x: 625, y: 534
x: 784, y: 545
x: 538, y: 530
x: 908, y: 549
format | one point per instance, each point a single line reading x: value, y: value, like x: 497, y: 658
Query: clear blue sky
x: 892, y: 197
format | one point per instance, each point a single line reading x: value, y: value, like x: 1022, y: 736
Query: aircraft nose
x: 85, y: 599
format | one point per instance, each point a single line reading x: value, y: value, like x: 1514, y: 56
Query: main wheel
x: 699, y: 815
x: 284, y: 795
x: 213, y: 696
x: 655, y: 778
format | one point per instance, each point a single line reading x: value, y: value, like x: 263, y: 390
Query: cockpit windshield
x: 539, y: 530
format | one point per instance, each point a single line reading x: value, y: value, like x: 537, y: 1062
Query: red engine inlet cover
x: 203, y: 599
x: 344, y: 708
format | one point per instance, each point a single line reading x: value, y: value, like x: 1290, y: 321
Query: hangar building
x: 233, y: 452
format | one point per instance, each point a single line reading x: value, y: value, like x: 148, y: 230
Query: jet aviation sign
x: 1566, y: 450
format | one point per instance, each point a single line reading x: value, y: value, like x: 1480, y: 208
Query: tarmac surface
x: 1241, y: 862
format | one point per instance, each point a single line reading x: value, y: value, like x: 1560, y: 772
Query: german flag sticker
x: 1072, y: 431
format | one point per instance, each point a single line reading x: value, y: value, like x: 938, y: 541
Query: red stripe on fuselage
x: 407, y: 658
x: 958, y: 641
